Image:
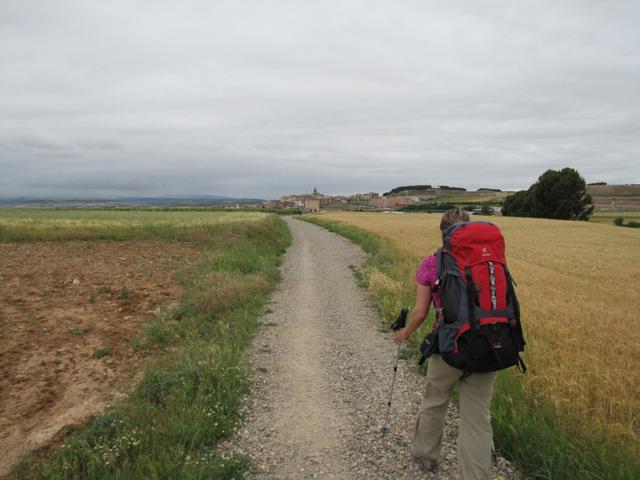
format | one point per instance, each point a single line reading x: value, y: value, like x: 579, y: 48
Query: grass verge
x: 527, y: 429
x: 188, y: 400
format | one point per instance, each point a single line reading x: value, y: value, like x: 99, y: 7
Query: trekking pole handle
x: 401, y: 321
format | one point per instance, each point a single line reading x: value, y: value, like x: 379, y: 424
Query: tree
x: 518, y: 205
x: 486, y: 210
x: 557, y: 194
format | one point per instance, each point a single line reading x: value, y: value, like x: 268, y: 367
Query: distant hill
x: 405, y: 188
x: 615, y: 197
x: 445, y: 193
x: 631, y: 190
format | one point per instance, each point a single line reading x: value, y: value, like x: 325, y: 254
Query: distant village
x: 317, y: 201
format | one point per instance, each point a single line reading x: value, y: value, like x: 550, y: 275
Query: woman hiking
x: 475, y: 438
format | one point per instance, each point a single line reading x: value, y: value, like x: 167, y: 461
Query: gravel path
x: 322, y: 374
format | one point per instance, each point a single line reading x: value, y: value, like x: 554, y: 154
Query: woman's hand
x: 418, y: 314
x: 401, y: 335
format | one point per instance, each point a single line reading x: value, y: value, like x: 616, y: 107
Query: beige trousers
x: 475, y: 437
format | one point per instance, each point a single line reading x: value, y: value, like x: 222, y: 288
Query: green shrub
x: 486, y: 210
x: 125, y: 293
x: 158, y: 333
x: 102, y: 351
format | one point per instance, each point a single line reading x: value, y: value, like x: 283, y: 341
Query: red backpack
x: 479, y: 328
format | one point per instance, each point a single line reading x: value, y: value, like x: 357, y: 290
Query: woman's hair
x: 453, y: 216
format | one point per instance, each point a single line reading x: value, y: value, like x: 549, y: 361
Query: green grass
x: 125, y: 293
x: 188, y: 399
x: 608, y: 216
x: 21, y: 224
x: 527, y: 430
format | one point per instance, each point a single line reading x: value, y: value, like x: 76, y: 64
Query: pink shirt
x: 426, y: 275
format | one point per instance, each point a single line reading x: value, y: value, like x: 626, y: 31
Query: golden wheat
x: 579, y: 288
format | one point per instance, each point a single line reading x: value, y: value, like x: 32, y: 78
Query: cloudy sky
x: 117, y: 98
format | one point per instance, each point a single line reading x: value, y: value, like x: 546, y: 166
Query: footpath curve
x: 322, y: 373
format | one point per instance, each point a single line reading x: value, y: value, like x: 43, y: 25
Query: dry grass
x: 578, y: 285
x: 614, y: 190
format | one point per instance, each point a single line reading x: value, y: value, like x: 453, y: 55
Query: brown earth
x: 59, y: 303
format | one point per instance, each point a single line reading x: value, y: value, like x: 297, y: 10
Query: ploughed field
x: 578, y: 284
x: 71, y: 317
x: 85, y: 298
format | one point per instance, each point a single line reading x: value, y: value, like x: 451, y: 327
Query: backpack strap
x: 521, y: 366
x: 506, y: 269
x: 439, y: 270
x: 471, y: 304
x: 511, y: 295
x: 513, y: 300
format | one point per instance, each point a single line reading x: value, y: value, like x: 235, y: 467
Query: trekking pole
x: 397, y: 325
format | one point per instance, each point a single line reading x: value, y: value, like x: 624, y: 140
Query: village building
x: 392, y: 202
x: 315, y: 201
x: 364, y: 197
x: 312, y: 204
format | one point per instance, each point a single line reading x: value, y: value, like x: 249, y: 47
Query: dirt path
x: 322, y: 373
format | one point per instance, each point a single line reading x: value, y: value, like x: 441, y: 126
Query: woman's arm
x: 418, y: 314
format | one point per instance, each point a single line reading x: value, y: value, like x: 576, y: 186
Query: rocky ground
x: 322, y: 374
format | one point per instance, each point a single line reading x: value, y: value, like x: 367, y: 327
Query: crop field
x: 577, y: 410
x: 473, y: 197
x: 123, y: 317
x: 52, y: 224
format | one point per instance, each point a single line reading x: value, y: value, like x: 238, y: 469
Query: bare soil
x: 68, y: 313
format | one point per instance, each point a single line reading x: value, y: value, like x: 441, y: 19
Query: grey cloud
x: 263, y: 98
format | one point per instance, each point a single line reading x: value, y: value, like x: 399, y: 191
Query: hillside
x: 615, y: 197
x: 445, y: 194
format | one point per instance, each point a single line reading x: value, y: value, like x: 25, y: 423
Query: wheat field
x: 578, y: 286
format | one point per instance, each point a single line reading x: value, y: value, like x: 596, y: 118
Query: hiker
x: 475, y: 439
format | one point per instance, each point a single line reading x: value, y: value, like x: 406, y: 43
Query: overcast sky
x: 117, y: 98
